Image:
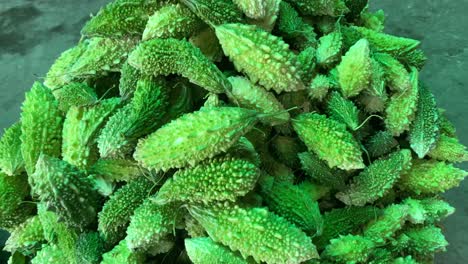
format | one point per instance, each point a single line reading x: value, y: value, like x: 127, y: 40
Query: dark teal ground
x: 34, y: 32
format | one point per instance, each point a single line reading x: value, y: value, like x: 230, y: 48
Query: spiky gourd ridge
x: 217, y: 179
x: 421, y: 241
x: 194, y: 137
x: 204, y: 250
x: 431, y: 177
x: 11, y: 159
x: 329, y: 140
x: 425, y: 128
x: 255, y: 232
x: 252, y: 49
x: 81, y: 129
x: 253, y: 97
x: 26, y: 238
x: 65, y: 189
x: 172, y: 21
x: 116, y: 212
x: 376, y: 179
x: 138, y: 118
x: 172, y: 56
x: 41, y: 126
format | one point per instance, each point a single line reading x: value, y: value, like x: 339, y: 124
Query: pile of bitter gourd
x: 219, y: 131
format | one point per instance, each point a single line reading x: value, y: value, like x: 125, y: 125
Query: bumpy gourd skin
x: 204, y: 250
x: 431, y: 177
x: 26, y: 238
x: 255, y: 232
x: 80, y: 131
x: 218, y: 179
x: 172, y: 21
x: 122, y: 18
x: 50, y: 254
x: 66, y: 190
x: 396, y: 75
x: 136, y: 119
x: 252, y: 8
x: 265, y: 58
x: 294, y: 204
x: 343, y: 110
x: 329, y: 49
x: 380, y: 144
x: 58, y: 74
x: 349, y: 249
x: 343, y: 221
x: 294, y: 29
x: 382, y: 228
x: 41, y: 126
x: 122, y: 254
x: 75, y: 94
x: 329, y: 140
x: 151, y: 223
x: 194, y: 137
x: 422, y: 241
x: 11, y: 159
x: 116, y: 212
x: 13, y: 191
x: 376, y: 179
x: 89, y: 248
x: 380, y: 42
x: 355, y: 69
x: 402, y: 107
x: 320, y: 172
x: 172, y: 56
x: 117, y: 169
x: 57, y: 232
x: 449, y: 149
x: 215, y: 12
x: 254, y: 97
